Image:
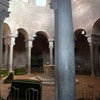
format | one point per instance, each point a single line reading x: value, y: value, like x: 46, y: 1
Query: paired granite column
x: 51, y: 46
x: 3, y: 14
x: 91, y: 55
x: 6, y: 56
x: 28, y: 50
x: 64, y: 51
x: 97, y: 59
x: 11, y: 45
x: 1, y: 38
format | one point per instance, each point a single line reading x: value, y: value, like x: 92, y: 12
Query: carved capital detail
x: 94, y: 39
x: 4, y: 14
x: 53, y: 4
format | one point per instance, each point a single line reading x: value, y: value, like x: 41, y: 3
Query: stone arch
x: 82, y: 57
x: 40, y: 50
x: 42, y: 33
x: 96, y: 47
x: 6, y: 33
x: 20, y: 48
x: 6, y: 29
x: 96, y: 27
x: 79, y: 33
x: 24, y: 32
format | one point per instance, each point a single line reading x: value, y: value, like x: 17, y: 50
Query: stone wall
x: 30, y: 17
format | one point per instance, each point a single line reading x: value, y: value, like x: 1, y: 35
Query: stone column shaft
x: 11, y: 44
x: 29, y: 60
x: 6, y: 56
x: 3, y: 14
x: 65, y: 61
x: 53, y: 5
x: 91, y: 55
x: 1, y: 38
x: 10, y: 58
x: 97, y: 59
x: 29, y: 46
x: 51, y: 51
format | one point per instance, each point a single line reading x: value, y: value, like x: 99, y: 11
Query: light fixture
x: 41, y: 3
x: 83, y: 32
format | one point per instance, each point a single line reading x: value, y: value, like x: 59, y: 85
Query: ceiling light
x: 83, y: 32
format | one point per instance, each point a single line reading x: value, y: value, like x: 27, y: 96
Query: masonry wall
x: 30, y: 17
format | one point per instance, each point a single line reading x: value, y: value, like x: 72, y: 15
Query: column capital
x: 53, y: 4
x: 29, y: 39
x: 4, y: 14
x: 5, y: 3
x: 89, y: 39
x: 51, y: 44
x: 6, y: 40
x: 11, y: 40
x: 94, y: 39
x: 50, y: 40
x: 29, y: 43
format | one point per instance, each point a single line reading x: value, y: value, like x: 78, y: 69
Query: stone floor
x: 48, y: 85
x: 47, y: 88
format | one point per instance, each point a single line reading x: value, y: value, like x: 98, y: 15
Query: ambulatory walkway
x: 48, y: 89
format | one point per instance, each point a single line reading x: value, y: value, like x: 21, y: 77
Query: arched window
x: 41, y: 3
x: 25, y: 1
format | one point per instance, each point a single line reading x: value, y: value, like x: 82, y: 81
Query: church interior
x: 52, y: 48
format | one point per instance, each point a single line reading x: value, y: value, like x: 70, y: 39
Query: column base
x: 11, y: 71
x: 28, y: 73
x: 92, y: 75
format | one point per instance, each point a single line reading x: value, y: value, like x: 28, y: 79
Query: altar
x: 49, y: 71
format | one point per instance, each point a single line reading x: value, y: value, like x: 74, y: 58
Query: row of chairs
x: 87, y: 93
x: 30, y: 94
x: 32, y: 90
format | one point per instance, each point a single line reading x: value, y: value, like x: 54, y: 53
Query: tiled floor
x: 48, y: 90
x: 93, y: 81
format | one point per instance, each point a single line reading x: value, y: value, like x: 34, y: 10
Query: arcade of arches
x: 32, y: 47
x: 23, y: 51
x: 38, y: 50
x: 87, y: 50
x: 29, y: 39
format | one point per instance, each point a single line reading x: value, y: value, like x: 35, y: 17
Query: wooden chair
x: 32, y: 94
x: 97, y: 96
x: 13, y: 93
x: 25, y: 90
x: 86, y: 93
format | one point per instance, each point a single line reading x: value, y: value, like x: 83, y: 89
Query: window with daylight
x: 41, y: 3
x: 25, y: 1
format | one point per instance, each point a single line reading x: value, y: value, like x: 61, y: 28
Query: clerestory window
x: 41, y: 3
x: 25, y: 1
